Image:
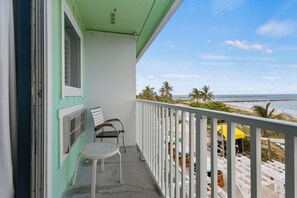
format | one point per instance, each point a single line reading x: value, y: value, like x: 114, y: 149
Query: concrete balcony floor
x: 137, y: 180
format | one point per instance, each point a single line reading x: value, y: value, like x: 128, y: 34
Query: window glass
x: 72, y: 55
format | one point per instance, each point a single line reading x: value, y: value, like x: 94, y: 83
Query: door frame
x: 48, y: 98
x: 41, y: 161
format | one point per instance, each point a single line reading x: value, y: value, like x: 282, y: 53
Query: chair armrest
x: 115, y: 120
x: 100, y: 126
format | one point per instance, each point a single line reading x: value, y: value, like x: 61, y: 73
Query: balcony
x: 150, y: 171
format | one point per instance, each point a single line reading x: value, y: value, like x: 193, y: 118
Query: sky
x: 233, y: 46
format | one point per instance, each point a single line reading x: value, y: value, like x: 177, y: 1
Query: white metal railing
x: 158, y: 127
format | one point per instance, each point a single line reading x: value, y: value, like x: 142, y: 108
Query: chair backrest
x: 97, y: 115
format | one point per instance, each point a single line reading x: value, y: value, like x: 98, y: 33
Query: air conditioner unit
x: 74, y: 125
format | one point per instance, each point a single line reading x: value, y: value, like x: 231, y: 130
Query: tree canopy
x: 264, y: 111
x: 206, y: 94
x: 148, y: 93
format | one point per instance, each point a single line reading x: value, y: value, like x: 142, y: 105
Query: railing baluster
x: 160, y: 144
x: 162, y: 149
x: 255, y: 147
x: 166, y: 153
x: 142, y: 126
x: 145, y: 133
x: 201, y: 156
x: 156, y: 142
x: 171, y: 154
x: 150, y: 136
x: 153, y: 140
x: 231, y: 159
x: 177, y: 192
x: 214, y: 148
x: 143, y: 130
x: 291, y: 163
x: 184, y: 154
x: 192, y: 153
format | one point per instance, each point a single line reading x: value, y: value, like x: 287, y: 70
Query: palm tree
x: 148, y: 93
x: 206, y: 94
x: 265, y: 113
x: 166, y: 90
x: 195, y: 94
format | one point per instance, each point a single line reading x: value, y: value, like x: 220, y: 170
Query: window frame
x: 68, y: 90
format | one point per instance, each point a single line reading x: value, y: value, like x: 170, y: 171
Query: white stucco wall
x: 110, y: 78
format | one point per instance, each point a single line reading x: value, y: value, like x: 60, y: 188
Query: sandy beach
x: 247, y: 106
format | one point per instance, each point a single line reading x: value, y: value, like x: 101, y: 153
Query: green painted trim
x: 73, y: 7
x: 108, y: 32
x: 141, y: 44
x: 144, y: 24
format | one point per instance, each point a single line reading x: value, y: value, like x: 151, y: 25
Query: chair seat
x: 109, y: 134
x: 111, y: 130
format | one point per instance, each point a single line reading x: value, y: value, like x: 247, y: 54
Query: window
x: 72, y: 54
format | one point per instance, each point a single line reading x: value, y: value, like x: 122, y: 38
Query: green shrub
x: 218, y: 106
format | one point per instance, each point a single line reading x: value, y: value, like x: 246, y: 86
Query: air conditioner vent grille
x: 74, y: 125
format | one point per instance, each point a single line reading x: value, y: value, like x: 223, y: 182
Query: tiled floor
x: 137, y: 181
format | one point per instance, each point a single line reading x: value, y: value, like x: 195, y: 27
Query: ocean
x: 283, y: 103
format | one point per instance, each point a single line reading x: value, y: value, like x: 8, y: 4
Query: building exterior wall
x: 110, y: 79
x: 61, y: 175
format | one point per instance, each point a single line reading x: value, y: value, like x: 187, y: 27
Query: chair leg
x: 76, y: 167
x: 102, y: 165
x: 118, y: 140
x: 121, y: 177
x: 101, y: 139
x: 93, y: 188
x: 123, y: 137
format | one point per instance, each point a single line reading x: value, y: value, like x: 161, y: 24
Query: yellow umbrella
x: 238, y: 133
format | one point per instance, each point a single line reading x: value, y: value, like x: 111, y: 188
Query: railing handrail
x: 281, y: 126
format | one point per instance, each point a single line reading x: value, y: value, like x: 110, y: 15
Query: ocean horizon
x: 283, y: 103
x: 238, y: 97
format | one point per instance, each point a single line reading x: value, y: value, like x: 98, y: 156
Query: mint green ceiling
x: 132, y: 16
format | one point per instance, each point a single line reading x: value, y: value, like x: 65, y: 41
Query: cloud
x: 156, y: 65
x: 276, y: 29
x: 169, y: 44
x: 272, y: 78
x: 224, y: 57
x: 247, y: 46
x: 268, y: 51
x: 180, y: 76
x: 244, y: 45
x: 226, y: 5
x: 171, y: 64
x: 218, y: 78
x: 218, y: 63
x: 143, y: 78
x: 213, y: 57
